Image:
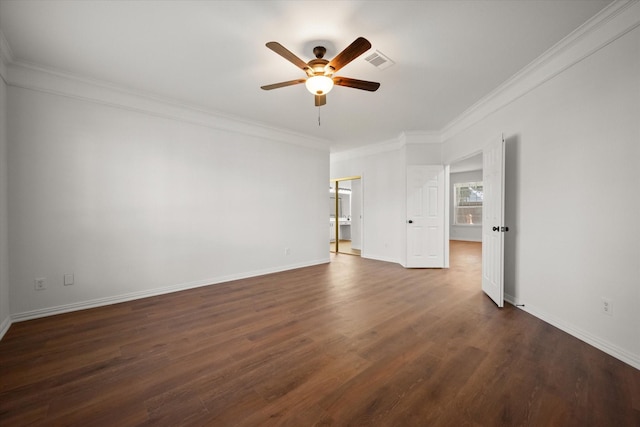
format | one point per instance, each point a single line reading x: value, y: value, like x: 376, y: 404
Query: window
x: 467, y: 203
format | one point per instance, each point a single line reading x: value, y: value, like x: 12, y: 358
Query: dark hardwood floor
x: 353, y: 342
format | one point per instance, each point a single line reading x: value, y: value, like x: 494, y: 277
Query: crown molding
x: 369, y: 150
x: 402, y: 140
x: 29, y: 76
x: 32, y: 77
x: 421, y: 137
x: 615, y: 20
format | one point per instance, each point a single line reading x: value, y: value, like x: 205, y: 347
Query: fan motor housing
x: 318, y: 66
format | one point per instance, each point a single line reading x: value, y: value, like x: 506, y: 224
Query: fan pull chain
x: 318, y: 116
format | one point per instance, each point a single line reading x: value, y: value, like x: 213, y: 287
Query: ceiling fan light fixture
x: 320, y: 80
x: 319, y: 85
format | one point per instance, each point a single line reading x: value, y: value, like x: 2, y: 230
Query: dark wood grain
x: 353, y: 342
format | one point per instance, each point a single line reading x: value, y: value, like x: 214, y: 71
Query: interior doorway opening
x: 464, y: 229
x: 491, y: 191
x: 465, y: 199
x: 345, y: 215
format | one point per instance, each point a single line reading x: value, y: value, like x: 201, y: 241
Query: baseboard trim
x: 380, y: 258
x: 609, y: 348
x: 510, y: 299
x: 462, y: 239
x: 4, y: 326
x: 116, y: 299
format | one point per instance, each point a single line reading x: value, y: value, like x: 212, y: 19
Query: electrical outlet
x: 40, y: 284
x: 287, y: 251
x: 68, y: 279
x: 607, y: 306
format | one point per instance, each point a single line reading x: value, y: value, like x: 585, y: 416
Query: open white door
x: 425, y: 216
x: 493, y: 227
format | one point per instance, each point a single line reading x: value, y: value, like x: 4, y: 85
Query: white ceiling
x: 212, y: 55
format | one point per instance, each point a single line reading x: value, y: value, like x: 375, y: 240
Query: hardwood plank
x: 353, y: 342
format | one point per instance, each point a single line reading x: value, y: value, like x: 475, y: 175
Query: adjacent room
x: 163, y: 212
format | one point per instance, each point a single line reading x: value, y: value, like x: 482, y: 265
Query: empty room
x: 164, y: 173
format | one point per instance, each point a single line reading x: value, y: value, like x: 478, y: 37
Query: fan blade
x: 355, y: 49
x: 286, y: 54
x: 356, y: 84
x: 321, y: 100
x: 283, y: 84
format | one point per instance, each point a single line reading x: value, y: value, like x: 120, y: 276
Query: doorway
x: 345, y: 215
x: 465, y: 199
x: 464, y: 213
x: 491, y: 194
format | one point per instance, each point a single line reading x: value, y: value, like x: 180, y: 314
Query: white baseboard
x: 462, y: 239
x: 4, y: 326
x: 510, y: 299
x: 99, y: 302
x: 380, y: 258
x: 609, y: 348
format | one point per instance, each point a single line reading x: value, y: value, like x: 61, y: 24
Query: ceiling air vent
x: 378, y: 60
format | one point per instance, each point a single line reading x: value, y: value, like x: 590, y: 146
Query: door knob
x: 410, y: 221
x: 496, y: 228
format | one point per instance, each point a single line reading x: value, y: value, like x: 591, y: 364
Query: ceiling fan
x: 320, y: 78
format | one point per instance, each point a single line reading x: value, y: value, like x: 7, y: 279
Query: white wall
x: 423, y: 154
x: 470, y: 233
x: 573, y: 150
x: 383, y: 170
x: 383, y: 198
x: 135, y: 204
x: 5, y: 319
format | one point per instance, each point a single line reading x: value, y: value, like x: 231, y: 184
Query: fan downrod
x: 319, y: 51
